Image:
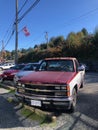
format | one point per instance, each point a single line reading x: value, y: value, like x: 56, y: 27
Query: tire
x: 73, y: 104
x: 82, y: 84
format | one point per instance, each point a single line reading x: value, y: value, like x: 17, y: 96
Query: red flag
x: 26, y: 32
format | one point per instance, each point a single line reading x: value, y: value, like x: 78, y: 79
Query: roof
x: 61, y: 58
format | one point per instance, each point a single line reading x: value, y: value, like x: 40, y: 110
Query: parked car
x: 29, y: 68
x: 9, y: 74
x: 6, y: 66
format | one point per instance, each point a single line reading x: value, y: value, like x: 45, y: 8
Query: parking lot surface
x: 84, y: 118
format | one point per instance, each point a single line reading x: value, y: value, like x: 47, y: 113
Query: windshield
x: 17, y: 67
x: 28, y: 67
x: 57, y: 65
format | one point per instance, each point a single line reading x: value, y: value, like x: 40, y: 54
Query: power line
x: 83, y: 15
x: 13, y: 30
x: 9, y: 38
x: 23, y: 6
x: 7, y: 33
x: 28, y: 10
x: 14, y: 18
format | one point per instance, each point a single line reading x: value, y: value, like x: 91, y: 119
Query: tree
x: 43, y: 46
x: 23, y: 50
x: 84, y: 31
x: 36, y: 46
x: 72, y: 40
x: 55, y: 42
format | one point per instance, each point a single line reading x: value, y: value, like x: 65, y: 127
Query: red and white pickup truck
x: 55, y: 84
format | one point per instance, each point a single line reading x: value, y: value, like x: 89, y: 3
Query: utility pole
x: 2, y: 52
x: 46, y: 37
x: 16, y: 39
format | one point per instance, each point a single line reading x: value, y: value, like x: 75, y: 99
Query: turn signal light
x: 68, y: 90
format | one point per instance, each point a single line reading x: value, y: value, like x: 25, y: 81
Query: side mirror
x: 81, y: 68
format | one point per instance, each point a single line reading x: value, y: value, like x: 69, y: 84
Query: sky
x: 56, y: 17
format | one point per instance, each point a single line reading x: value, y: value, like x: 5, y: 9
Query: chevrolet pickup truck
x: 54, y: 85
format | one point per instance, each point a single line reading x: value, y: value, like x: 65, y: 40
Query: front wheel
x: 74, y: 100
x: 82, y: 84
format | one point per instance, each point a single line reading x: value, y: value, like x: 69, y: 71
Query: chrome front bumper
x: 64, y: 103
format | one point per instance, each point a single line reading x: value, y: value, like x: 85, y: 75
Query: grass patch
x: 12, y: 91
x: 10, y: 99
x: 36, y: 115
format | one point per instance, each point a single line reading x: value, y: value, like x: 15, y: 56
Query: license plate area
x: 36, y: 103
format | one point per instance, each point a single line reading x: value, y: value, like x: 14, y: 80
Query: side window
x: 43, y: 66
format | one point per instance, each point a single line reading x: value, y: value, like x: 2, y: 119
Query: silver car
x: 29, y: 68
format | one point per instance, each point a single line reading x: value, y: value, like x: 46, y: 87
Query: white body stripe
x: 77, y: 80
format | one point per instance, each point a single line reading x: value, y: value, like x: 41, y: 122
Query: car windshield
x: 57, y: 65
x: 28, y: 67
x: 18, y: 67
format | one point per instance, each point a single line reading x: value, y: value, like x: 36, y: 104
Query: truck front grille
x: 45, y: 90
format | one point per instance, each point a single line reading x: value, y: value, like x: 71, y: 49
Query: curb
x: 6, y: 86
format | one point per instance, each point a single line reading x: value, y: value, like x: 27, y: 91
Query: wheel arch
x: 76, y: 88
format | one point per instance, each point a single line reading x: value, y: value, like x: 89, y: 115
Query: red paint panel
x: 49, y: 77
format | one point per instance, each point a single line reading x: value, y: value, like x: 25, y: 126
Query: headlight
x: 63, y: 87
x: 19, y: 84
x: 57, y: 87
x: 21, y: 87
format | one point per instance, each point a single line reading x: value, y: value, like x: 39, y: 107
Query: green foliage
x: 36, y: 46
x: 54, y: 42
x: 36, y: 115
x: 84, y: 31
x: 96, y: 37
x: 43, y: 46
x: 81, y: 45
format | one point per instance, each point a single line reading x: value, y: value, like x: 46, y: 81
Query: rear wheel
x: 74, y: 100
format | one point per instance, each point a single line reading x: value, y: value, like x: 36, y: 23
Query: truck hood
x: 23, y: 73
x: 44, y: 77
x: 10, y: 71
